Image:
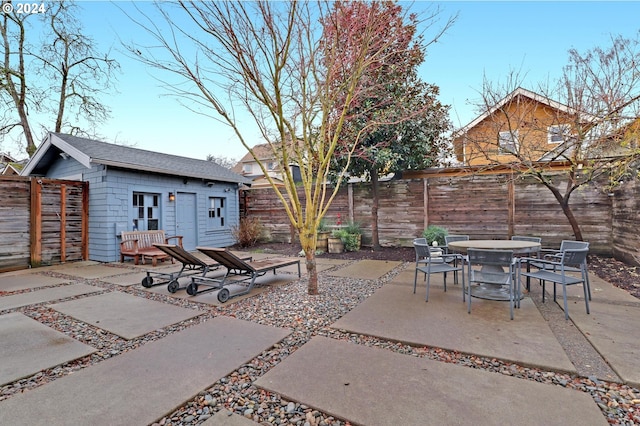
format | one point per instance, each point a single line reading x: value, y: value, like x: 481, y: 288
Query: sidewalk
x: 191, y: 349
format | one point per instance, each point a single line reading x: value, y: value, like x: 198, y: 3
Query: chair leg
x: 587, y: 292
x: 564, y: 297
x: 415, y: 279
x: 428, y: 283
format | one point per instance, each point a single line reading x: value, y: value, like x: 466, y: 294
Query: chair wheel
x: 192, y: 289
x: 147, y: 282
x: 223, y: 295
x: 173, y: 286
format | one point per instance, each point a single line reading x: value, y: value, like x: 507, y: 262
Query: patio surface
x: 360, y: 384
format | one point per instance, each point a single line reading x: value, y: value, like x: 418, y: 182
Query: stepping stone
x: 95, y: 271
x: 46, y: 295
x: 10, y: 283
x: 147, y: 383
x: 366, y: 269
x: 394, y: 312
x: 227, y: 418
x: 123, y: 314
x: 373, y: 386
x: 126, y: 280
x: 29, y: 346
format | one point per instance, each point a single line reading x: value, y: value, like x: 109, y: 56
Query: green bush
x: 351, y: 242
x: 248, y: 232
x: 322, y: 226
x: 353, y: 228
x: 434, y: 233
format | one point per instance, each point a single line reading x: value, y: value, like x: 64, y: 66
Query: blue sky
x: 489, y: 38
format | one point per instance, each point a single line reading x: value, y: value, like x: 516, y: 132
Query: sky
x: 488, y: 39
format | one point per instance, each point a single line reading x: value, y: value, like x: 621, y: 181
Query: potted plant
x: 322, y: 234
x: 353, y: 239
x: 435, y: 234
x: 336, y: 241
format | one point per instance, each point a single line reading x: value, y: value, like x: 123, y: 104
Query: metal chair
x: 555, y: 255
x: 486, y: 269
x: 557, y: 271
x: 428, y: 264
x: 447, y: 240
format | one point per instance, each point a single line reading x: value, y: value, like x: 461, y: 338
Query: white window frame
x: 506, y: 140
x: 217, y: 212
x: 564, y: 130
x: 247, y: 168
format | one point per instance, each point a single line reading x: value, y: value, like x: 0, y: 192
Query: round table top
x: 515, y: 245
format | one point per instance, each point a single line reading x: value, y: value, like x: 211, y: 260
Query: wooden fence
x: 481, y: 206
x: 42, y: 221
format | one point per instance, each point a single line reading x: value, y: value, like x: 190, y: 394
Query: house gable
x: 523, y: 122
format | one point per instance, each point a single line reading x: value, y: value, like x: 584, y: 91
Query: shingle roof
x: 139, y: 159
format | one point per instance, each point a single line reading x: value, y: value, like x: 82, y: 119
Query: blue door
x: 187, y: 219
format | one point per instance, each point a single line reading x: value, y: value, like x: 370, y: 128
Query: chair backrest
x: 574, y: 256
x: 226, y: 258
x: 490, y: 257
x: 420, y: 240
x: 180, y: 254
x: 525, y: 238
x: 450, y: 238
x: 423, y: 251
x: 572, y: 245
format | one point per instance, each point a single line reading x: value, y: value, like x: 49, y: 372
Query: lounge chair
x: 235, y: 266
x: 191, y: 265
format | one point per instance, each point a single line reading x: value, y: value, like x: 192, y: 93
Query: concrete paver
x: 125, y: 280
x: 10, y: 283
x: 394, y: 312
x: 29, y: 346
x: 613, y: 331
x: 366, y: 269
x: 96, y: 271
x: 46, y: 295
x: 123, y: 314
x: 141, y: 386
x: 372, y: 386
x: 227, y: 418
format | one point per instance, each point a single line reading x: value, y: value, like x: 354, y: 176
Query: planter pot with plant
x: 322, y: 235
x: 434, y: 235
x: 336, y: 241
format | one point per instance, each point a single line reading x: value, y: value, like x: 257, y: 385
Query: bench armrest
x: 178, y: 237
x: 129, y: 245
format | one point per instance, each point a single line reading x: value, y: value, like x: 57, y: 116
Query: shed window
x: 508, y: 142
x: 146, y: 211
x: 558, y: 134
x: 217, y: 212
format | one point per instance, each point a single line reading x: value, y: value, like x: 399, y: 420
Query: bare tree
x: 60, y: 78
x: 223, y: 161
x: 587, y: 123
x: 275, y: 62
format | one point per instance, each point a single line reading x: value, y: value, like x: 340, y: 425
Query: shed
x: 136, y: 189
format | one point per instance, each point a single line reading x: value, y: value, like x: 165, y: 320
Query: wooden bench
x: 140, y: 245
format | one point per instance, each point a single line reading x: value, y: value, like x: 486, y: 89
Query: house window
x: 558, y: 134
x: 217, y: 212
x: 508, y: 142
x: 146, y: 211
x: 271, y: 165
x: 246, y: 168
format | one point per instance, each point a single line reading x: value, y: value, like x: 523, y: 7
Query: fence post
x: 36, y: 222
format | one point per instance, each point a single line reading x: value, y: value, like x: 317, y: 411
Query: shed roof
x: 87, y: 151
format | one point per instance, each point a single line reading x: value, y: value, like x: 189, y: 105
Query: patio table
x: 491, y: 291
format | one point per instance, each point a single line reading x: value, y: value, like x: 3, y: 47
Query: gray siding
x: 110, y: 210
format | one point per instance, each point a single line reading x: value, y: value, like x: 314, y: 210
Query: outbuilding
x: 135, y: 189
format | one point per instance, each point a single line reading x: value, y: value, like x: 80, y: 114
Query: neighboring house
x: 523, y: 123
x: 132, y: 188
x: 250, y: 169
x: 9, y: 165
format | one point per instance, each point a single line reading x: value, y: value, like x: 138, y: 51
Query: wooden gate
x: 42, y: 221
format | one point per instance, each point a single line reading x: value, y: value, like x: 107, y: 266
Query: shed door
x: 186, y: 224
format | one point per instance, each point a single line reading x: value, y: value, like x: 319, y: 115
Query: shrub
x: 322, y: 226
x: 247, y: 233
x: 434, y: 233
x: 353, y: 228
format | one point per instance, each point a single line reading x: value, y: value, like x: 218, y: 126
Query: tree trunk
x: 566, y: 209
x: 308, y: 242
x: 375, y: 238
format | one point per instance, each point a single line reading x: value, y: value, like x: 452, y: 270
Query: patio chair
x: 428, y: 264
x: 555, y: 255
x: 447, y: 240
x: 557, y: 271
x: 235, y: 266
x: 488, y: 278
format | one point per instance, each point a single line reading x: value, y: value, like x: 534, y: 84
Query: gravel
x: 307, y: 316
